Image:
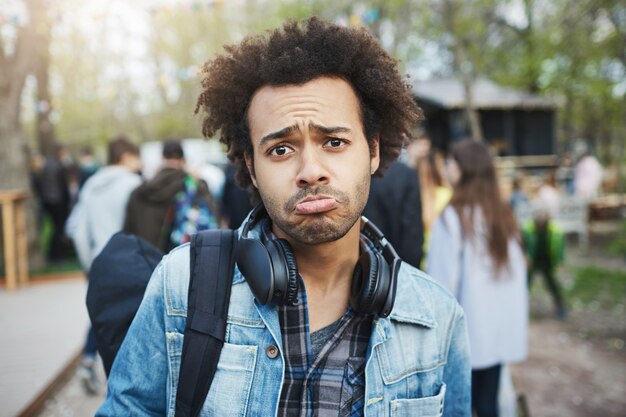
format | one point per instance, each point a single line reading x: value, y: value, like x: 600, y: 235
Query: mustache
x: 325, y: 190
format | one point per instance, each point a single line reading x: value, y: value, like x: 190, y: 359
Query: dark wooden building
x: 513, y: 122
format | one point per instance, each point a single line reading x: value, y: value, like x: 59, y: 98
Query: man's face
x: 312, y: 162
x: 131, y: 161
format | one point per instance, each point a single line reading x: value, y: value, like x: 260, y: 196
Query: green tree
x: 17, y: 61
x: 575, y: 52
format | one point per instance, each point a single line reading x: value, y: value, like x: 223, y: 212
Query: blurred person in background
x: 52, y: 187
x: 394, y: 206
x: 170, y: 207
x: 102, y: 201
x: 518, y: 197
x: 548, y: 195
x: 565, y: 173
x: 475, y: 252
x: 87, y: 165
x: 436, y: 192
x: 72, y: 172
x: 98, y: 214
x: 235, y: 200
x: 588, y: 176
x: 37, y: 162
x: 545, y: 249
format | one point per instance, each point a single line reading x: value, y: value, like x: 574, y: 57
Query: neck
x: 327, y: 270
x: 329, y: 265
x: 173, y: 163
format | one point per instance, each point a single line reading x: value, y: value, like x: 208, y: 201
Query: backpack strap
x: 210, y: 281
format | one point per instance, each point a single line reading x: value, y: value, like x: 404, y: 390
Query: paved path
x: 71, y: 400
x: 565, y: 375
x: 44, y: 326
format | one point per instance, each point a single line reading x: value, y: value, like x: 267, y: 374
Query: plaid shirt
x: 333, y: 383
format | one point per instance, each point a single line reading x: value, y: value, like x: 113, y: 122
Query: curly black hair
x: 295, y: 55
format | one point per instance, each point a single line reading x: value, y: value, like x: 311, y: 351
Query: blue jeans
x: 485, y: 384
x: 89, y: 351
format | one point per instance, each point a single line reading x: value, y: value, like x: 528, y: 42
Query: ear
x: 375, y: 155
x: 250, y: 166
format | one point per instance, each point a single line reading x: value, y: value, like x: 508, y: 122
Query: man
x: 52, y: 186
x: 87, y: 165
x: 545, y: 250
x: 101, y: 207
x: 150, y: 213
x: 394, y: 205
x: 98, y: 214
x: 309, y: 113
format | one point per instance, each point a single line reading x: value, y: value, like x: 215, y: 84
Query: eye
x: 335, y: 143
x: 280, y: 150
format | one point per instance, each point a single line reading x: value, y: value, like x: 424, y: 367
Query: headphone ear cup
x: 288, y: 260
x: 364, y: 282
x: 370, y: 284
x: 253, y: 260
x: 382, y: 286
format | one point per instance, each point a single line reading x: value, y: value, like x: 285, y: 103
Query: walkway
x: 44, y: 326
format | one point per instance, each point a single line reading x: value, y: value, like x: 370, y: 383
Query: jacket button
x: 272, y: 351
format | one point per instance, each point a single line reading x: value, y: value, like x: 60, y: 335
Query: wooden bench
x: 14, y: 239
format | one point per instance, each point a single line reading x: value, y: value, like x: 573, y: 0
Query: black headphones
x: 269, y: 267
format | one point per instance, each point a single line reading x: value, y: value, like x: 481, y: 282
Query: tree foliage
x: 110, y: 73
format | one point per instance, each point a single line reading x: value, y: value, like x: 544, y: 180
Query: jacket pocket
x: 419, y: 407
x: 230, y: 389
x: 231, y: 386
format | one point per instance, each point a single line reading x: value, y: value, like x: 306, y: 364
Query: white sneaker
x: 89, y: 379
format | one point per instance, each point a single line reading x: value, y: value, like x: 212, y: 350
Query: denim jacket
x: 417, y: 360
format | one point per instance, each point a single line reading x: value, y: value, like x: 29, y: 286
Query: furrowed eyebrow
x: 329, y: 129
x: 278, y: 134
x: 282, y: 133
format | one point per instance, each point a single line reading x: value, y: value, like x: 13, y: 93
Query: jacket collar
x: 413, y: 304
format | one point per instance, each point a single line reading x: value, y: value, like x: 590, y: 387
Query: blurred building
x: 513, y: 122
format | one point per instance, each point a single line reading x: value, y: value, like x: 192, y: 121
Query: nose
x: 312, y: 170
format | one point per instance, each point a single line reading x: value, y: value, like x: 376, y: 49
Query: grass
x: 45, y: 232
x: 618, y: 245
x: 597, y: 284
x: 69, y: 265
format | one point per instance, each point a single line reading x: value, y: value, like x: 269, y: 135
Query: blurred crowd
x: 448, y: 214
x: 63, y: 183
x: 86, y: 203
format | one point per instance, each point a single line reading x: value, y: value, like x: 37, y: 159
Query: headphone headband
x: 257, y: 214
x: 373, y: 233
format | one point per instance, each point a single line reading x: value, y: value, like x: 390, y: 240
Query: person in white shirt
x: 98, y: 215
x: 588, y: 177
x: 475, y: 252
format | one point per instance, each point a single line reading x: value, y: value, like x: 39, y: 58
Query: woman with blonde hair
x: 475, y: 252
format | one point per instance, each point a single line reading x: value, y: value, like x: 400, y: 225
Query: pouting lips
x: 316, y: 206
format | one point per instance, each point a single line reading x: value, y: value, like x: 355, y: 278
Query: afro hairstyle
x: 294, y: 55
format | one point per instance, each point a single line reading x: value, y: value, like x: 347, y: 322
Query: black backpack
x: 117, y: 280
